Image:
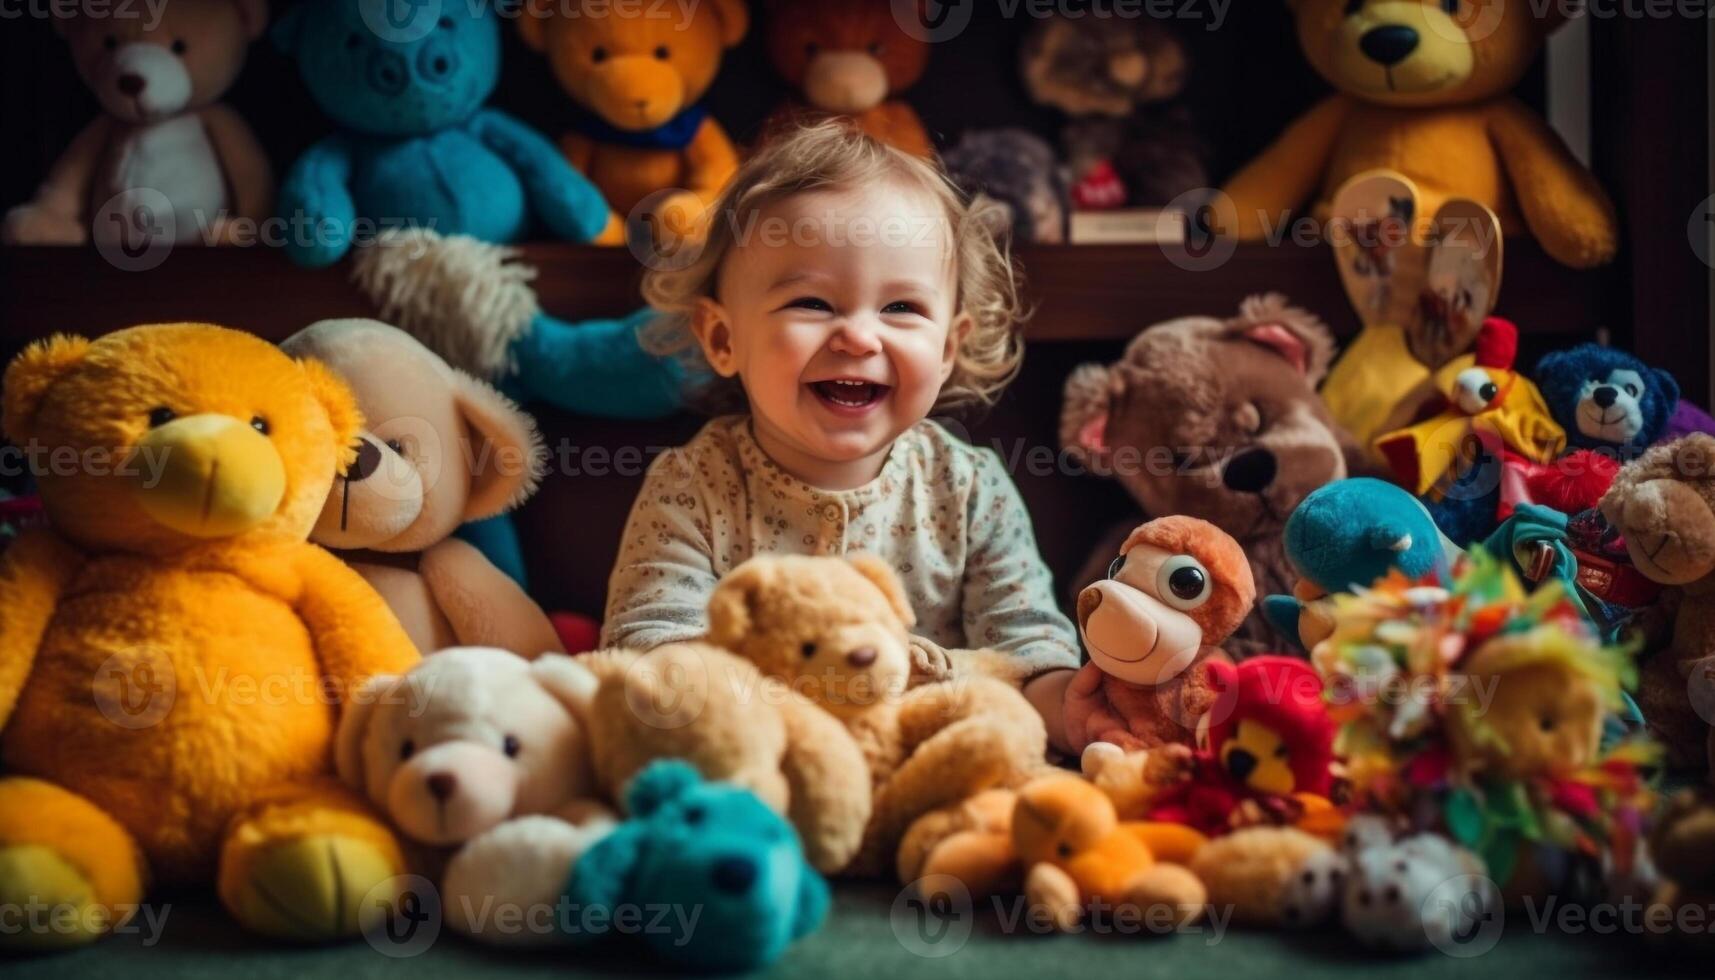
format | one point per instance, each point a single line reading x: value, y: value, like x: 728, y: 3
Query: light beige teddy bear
x: 440, y: 448
x: 838, y: 631
x: 484, y: 757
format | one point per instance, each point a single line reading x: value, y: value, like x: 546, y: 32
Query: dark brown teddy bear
x: 1219, y: 420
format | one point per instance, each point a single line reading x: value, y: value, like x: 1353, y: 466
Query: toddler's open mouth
x: 849, y: 394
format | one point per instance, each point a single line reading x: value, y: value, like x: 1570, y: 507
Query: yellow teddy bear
x: 1422, y: 88
x: 173, y: 653
x: 838, y: 632
x: 634, y: 74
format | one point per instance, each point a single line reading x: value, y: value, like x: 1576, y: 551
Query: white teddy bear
x: 1398, y: 894
x: 481, y: 750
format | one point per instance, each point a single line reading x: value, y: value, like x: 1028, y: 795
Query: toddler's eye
x: 901, y: 307
x: 810, y: 303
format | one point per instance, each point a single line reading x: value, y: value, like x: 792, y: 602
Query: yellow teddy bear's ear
x: 31, y: 374
x: 341, y: 405
x: 882, y: 574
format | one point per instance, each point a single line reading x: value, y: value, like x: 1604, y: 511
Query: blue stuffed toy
x: 417, y: 147
x: 1349, y: 534
x: 729, y: 872
x: 1606, y: 398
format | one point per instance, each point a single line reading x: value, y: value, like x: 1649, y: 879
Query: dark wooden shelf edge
x: 1078, y: 292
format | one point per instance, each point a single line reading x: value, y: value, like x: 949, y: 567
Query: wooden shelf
x: 1080, y: 293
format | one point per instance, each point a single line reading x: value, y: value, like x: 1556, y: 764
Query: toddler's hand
x: 1089, y: 716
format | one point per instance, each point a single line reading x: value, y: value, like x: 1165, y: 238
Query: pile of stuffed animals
x: 1371, y: 541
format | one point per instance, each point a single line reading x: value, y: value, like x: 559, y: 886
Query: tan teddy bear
x: 165, y: 160
x: 838, y: 631
x: 713, y: 709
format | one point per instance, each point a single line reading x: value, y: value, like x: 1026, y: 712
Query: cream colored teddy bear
x: 483, y: 752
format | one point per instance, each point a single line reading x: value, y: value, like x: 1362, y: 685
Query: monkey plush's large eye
x: 1474, y: 391
x: 1115, y: 566
x: 1183, y: 582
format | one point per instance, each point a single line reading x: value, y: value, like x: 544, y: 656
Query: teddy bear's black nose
x: 734, y: 875
x: 861, y: 657
x: 1389, y: 45
x: 131, y: 84
x: 367, y: 462
x: 442, y: 784
x: 1241, y: 764
x: 1605, y: 396
x: 1250, y: 471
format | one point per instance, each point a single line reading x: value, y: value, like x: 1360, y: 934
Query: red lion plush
x: 1265, y: 753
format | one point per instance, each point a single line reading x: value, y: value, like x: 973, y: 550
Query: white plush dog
x: 479, y: 749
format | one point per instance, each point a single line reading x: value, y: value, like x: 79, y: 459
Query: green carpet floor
x: 863, y: 939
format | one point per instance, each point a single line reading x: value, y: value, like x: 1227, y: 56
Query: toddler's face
x: 836, y: 310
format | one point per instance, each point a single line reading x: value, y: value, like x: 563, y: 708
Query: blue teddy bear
x: 417, y: 147
x: 1606, y: 398
x: 1351, y: 533
x: 728, y: 872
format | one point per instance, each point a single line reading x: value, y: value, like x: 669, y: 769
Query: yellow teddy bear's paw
x: 45, y: 902
x: 311, y: 888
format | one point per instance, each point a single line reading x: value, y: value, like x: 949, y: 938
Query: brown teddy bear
x: 166, y: 160
x: 1128, y: 141
x: 441, y: 448
x: 851, y: 58
x: 837, y: 630
x: 1682, y: 848
x: 634, y: 73
x: 715, y: 710
x: 1422, y: 88
x: 1663, y: 503
x: 176, y: 653
x: 1219, y: 420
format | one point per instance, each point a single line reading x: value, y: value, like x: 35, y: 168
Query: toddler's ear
x: 963, y: 323
x: 714, y: 335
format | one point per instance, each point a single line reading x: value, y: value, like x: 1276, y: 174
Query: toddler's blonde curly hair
x: 832, y: 155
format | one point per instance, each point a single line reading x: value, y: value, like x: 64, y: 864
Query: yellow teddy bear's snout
x: 1402, y: 49
x: 209, y: 475
x: 636, y: 93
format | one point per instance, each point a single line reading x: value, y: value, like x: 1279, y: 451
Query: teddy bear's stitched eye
x: 1546, y: 723
x: 694, y: 814
x: 812, y: 49
x: 178, y: 46
x: 875, y: 48
x: 161, y: 416
x: 599, y: 55
x: 397, y: 446
x: 510, y: 746
x: 1065, y: 850
x: 808, y: 650
x: 406, y: 748
x: 445, y: 23
x: 259, y: 423
x: 662, y: 54
x: 1632, y: 390
x: 1451, y: 6
x: 1353, y: 6
x: 110, y: 42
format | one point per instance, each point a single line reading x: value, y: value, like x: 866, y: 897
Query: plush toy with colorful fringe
x: 1475, y: 710
x: 1464, y: 458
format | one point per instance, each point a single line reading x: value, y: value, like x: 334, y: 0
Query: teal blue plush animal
x: 406, y: 83
x: 1351, y: 533
x: 727, y: 873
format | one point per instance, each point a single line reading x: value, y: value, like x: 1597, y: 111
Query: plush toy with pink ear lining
x: 1216, y: 419
x: 441, y: 449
